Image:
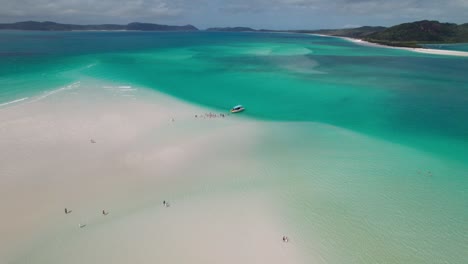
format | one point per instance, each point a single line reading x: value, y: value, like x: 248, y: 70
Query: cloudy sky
x: 272, y: 14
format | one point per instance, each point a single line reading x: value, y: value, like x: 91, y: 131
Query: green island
x: 410, y: 35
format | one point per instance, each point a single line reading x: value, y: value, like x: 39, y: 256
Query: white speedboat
x: 237, y: 109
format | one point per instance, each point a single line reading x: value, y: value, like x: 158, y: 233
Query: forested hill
x: 411, y: 34
x: 359, y: 32
x: 52, y: 26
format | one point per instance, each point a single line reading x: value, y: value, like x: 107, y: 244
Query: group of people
x: 211, y: 115
x: 67, y: 211
x: 165, y: 204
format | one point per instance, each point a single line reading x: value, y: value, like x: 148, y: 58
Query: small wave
x: 48, y: 93
x: 126, y: 89
x: 44, y: 95
x: 120, y: 89
x: 123, y: 87
x: 14, y: 101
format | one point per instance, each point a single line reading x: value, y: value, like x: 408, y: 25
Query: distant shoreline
x: 148, y: 27
x: 419, y: 50
x: 53, y: 26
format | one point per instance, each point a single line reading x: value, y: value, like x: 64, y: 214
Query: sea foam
x: 14, y: 101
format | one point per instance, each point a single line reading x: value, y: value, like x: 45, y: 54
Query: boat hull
x: 237, y: 110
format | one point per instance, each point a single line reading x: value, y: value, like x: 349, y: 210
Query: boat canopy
x: 237, y: 106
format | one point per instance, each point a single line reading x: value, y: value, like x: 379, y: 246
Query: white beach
x: 235, y: 185
x: 148, y: 148
x: 420, y: 50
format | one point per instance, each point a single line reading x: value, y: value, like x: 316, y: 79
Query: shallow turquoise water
x: 398, y: 95
x: 361, y: 186
x: 456, y: 47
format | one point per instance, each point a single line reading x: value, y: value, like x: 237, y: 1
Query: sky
x: 266, y: 14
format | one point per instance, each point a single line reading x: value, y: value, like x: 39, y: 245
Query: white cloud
x: 260, y: 13
x: 107, y: 9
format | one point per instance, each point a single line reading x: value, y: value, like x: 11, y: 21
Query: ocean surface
x: 455, y: 47
x: 369, y: 144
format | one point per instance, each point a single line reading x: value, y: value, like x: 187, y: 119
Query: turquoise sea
x: 372, y: 142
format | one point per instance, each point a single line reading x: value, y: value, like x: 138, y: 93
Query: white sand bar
x: 420, y: 50
x: 147, y: 148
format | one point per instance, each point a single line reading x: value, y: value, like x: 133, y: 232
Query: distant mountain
x: 52, y: 26
x: 359, y: 32
x: 403, y: 35
x: 231, y: 29
x: 419, y: 32
x: 348, y: 32
x: 156, y: 27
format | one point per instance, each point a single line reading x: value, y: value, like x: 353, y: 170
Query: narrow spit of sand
x: 420, y: 50
x: 112, y: 147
